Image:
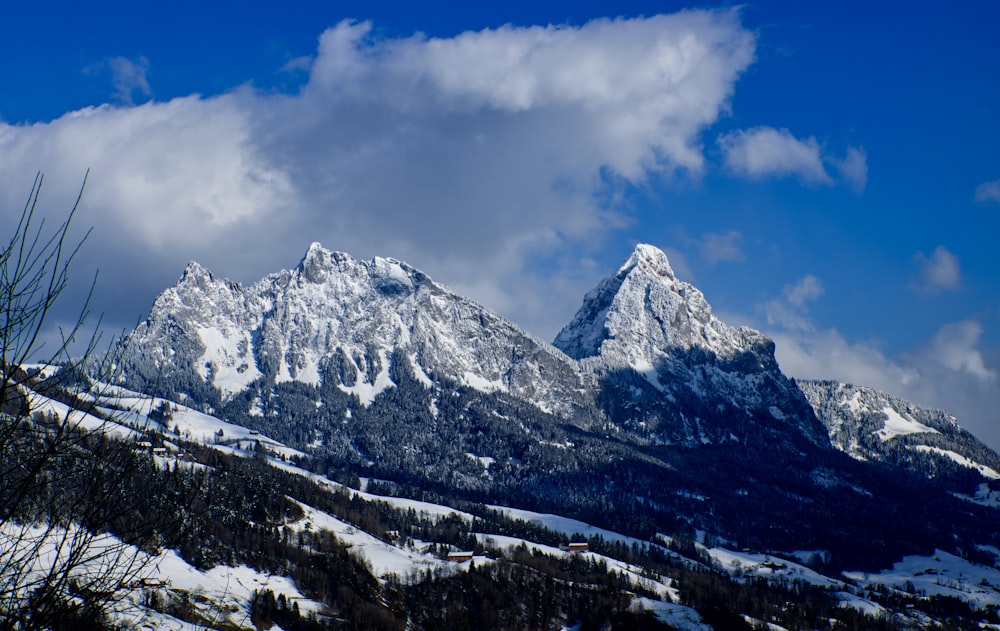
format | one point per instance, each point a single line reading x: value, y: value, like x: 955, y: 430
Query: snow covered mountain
x: 648, y: 419
x: 338, y: 319
x: 212, y: 574
x: 871, y: 425
x: 644, y: 352
x: 675, y: 367
x: 648, y: 412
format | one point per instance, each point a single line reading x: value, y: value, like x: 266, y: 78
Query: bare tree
x: 66, y: 464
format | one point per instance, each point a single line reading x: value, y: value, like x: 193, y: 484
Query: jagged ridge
x: 644, y: 352
x: 871, y: 425
x: 342, y: 319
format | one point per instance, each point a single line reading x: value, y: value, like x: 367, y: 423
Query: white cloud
x: 810, y: 353
x: 954, y: 347
x: 988, y: 192
x: 766, y: 152
x: 790, y: 310
x: 939, y: 271
x: 298, y: 64
x: 806, y: 289
x: 647, y: 86
x: 854, y: 168
x: 718, y: 247
x: 473, y: 157
x: 950, y: 371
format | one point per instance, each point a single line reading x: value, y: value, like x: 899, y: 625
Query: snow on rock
x: 866, y: 424
x: 226, y: 361
x: 644, y: 321
x: 338, y: 321
x: 334, y: 317
x: 643, y: 310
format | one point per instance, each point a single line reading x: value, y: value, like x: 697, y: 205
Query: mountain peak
x: 648, y: 258
x: 647, y: 331
x: 642, y: 304
x: 194, y: 270
x: 316, y: 264
x: 195, y: 275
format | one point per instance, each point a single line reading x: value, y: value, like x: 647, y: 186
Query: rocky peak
x: 643, y: 309
x: 648, y: 259
x: 652, y: 337
x: 317, y: 264
x: 195, y: 274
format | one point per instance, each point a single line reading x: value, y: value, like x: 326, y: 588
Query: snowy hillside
x: 172, y: 593
x: 649, y: 419
x: 871, y: 425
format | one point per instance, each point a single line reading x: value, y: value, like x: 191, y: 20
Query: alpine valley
x: 371, y: 450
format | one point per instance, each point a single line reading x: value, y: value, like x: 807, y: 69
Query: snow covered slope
x: 872, y: 425
x: 224, y: 593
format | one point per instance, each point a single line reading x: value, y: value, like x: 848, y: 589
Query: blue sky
x: 825, y: 172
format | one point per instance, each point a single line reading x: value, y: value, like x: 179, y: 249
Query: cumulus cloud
x: 721, y: 247
x: 298, y: 64
x: 473, y: 157
x: 789, y: 311
x: 811, y: 353
x: 988, y: 192
x: 764, y: 152
x: 951, y: 371
x: 939, y: 271
x: 955, y: 347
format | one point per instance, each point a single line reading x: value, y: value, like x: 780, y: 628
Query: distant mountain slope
x: 871, y: 425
